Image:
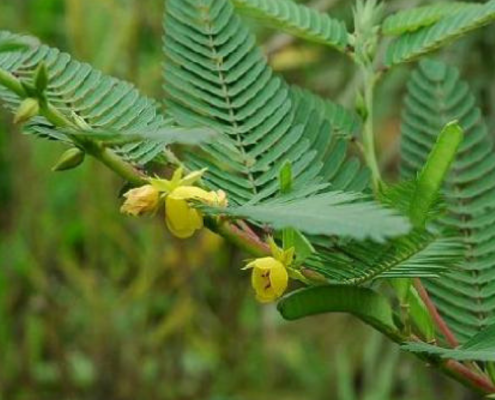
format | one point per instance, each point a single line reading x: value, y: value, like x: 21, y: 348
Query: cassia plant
x: 272, y: 169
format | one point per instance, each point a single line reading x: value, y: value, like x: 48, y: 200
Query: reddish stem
x: 442, y: 325
x: 239, y: 237
x: 246, y: 228
x: 474, y: 379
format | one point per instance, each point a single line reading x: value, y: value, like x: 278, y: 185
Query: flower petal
x: 182, y: 220
x: 269, y: 278
x: 279, y: 279
x: 193, y: 177
x: 191, y: 193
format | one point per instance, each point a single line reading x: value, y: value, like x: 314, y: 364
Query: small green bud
x: 41, y: 78
x: 69, y: 160
x: 360, y: 106
x: 28, y: 109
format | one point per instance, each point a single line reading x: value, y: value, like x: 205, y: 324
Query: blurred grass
x: 94, y: 305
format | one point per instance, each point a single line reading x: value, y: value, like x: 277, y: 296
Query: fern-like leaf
x: 412, y: 19
x: 411, y: 45
x: 331, y: 126
x: 298, y: 20
x: 9, y: 43
x: 480, y: 347
x: 418, y: 254
x: 216, y: 76
x: 330, y: 213
x: 466, y: 296
x: 78, y: 90
x: 344, y: 123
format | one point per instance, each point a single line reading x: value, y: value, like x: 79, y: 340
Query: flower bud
x: 69, y: 160
x: 141, y: 200
x: 28, y: 109
x: 41, y: 78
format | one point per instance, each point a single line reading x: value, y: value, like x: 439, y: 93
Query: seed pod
x: 69, y: 160
x: 28, y: 109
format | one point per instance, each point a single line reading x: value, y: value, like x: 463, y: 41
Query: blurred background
x: 95, y: 305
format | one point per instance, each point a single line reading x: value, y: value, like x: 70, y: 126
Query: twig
x: 442, y: 325
x: 246, y: 228
x: 469, y: 377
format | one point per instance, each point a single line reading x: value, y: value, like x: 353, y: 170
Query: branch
x: 441, y: 324
x: 468, y: 377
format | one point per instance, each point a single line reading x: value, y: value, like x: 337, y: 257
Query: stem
x: 115, y: 163
x: 368, y: 138
x: 12, y: 83
x: 469, y: 378
x: 238, y: 237
x: 442, y: 325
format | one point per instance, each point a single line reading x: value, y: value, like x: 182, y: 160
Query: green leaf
x: 412, y: 19
x: 83, y: 93
x: 216, y: 76
x: 330, y: 127
x: 298, y: 20
x: 344, y: 122
x: 412, y: 45
x: 418, y: 254
x: 285, y: 177
x: 302, y: 245
x: 366, y: 304
x: 332, y: 213
x: 401, y: 195
x: 481, y: 347
x: 164, y: 136
x: 436, y: 96
x: 432, y: 175
x: 10, y: 43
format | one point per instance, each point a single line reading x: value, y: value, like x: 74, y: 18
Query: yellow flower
x: 182, y: 219
x: 270, y: 275
x: 168, y: 185
x: 269, y: 278
x: 141, y: 200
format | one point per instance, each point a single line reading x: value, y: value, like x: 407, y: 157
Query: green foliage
x: 418, y: 254
x: 298, y: 20
x: 331, y: 213
x: 343, y: 122
x: 436, y: 96
x: 217, y: 77
x: 282, y: 154
x: 436, y: 167
x: 87, y: 96
x: 413, y: 19
x: 400, y: 196
x: 480, y: 347
x: 329, y: 128
x: 18, y: 43
x: 364, y: 303
x: 412, y: 45
x: 163, y: 136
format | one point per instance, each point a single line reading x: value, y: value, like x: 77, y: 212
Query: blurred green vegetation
x: 94, y: 305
